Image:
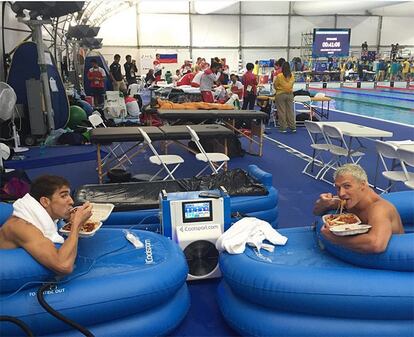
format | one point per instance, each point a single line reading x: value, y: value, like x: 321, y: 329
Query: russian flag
x: 168, y: 58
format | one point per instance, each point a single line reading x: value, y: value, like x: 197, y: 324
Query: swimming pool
x: 387, y: 104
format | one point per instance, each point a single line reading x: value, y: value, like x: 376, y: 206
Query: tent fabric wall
x: 273, y: 29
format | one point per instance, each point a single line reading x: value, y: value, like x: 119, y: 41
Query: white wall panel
x: 264, y: 31
x: 164, y: 30
x: 251, y: 55
x: 169, y: 7
x: 215, y: 30
x: 218, y: 7
x: 231, y: 55
x: 109, y: 52
x: 120, y: 29
x: 397, y: 30
x: 13, y: 38
x: 147, y: 55
x: 362, y: 28
x: 265, y: 7
x: 306, y: 24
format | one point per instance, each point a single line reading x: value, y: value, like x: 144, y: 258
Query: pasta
x: 87, y: 227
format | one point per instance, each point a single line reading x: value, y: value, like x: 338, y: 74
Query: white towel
x: 250, y: 231
x: 29, y: 209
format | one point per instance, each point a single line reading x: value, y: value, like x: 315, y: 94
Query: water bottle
x: 42, y: 150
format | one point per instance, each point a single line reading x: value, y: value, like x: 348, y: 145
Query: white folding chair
x: 305, y: 101
x: 210, y: 158
x: 161, y: 160
x: 389, y: 151
x: 340, y: 153
x: 407, y: 158
x: 116, y: 150
x: 315, y: 133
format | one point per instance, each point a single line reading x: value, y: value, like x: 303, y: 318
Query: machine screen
x: 197, y: 211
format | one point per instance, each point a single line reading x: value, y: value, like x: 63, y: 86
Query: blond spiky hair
x: 354, y: 170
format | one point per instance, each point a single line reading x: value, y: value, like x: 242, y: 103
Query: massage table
x: 227, y: 117
x: 175, y: 133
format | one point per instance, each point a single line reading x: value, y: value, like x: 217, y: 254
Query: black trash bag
x: 301, y: 92
x: 304, y: 116
x: 144, y: 195
x: 71, y: 138
x: 237, y: 183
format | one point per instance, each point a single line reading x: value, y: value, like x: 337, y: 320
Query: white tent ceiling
x: 99, y: 10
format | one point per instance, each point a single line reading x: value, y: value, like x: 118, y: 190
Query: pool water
x: 386, y: 104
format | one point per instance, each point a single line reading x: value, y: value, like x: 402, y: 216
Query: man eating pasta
x: 356, y: 197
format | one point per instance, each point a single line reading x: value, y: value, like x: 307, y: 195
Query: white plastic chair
x: 115, y: 150
x: 407, y: 158
x: 389, y: 151
x: 315, y: 130
x: 210, y: 158
x: 162, y: 160
x: 340, y: 153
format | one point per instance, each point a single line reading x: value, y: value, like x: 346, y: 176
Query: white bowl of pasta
x: 88, y: 229
x: 341, y: 219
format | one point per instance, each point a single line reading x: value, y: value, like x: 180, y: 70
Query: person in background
x: 250, y: 82
x: 405, y: 65
x: 351, y: 183
x: 96, y: 76
x: 149, y: 78
x: 277, y: 68
x: 185, y: 68
x: 256, y: 68
x: 130, y: 70
x: 186, y: 79
x: 195, y: 83
x: 236, y: 87
x: 283, y: 85
x: 176, y: 77
x: 157, y: 67
x: 207, y: 81
x: 32, y: 225
x: 116, y: 75
x: 381, y: 70
x: 65, y: 68
x: 364, y: 46
x: 342, y: 70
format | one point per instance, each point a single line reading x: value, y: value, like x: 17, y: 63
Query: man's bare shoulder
x: 382, y: 208
x: 16, y: 229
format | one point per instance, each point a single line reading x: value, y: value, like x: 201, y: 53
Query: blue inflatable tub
x: 115, y: 288
x: 301, y: 290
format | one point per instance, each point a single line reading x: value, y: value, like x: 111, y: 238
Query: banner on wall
x: 168, y: 58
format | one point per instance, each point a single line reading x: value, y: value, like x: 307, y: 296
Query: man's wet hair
x: 46, y: 186
x: 354, y: 170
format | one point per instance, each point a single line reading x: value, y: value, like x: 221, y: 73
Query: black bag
x: 14, y: 185
x: 304, y: 116
x: 301, y: 92
x: 71, y: 138
x: 234, y: 147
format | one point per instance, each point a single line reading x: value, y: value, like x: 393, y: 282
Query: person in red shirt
x: 250, y: 87
x: 236, y: 87
x: 186, y: 79
x: 208, y: 80
x: 96, y: 77
x: 157, y: 68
